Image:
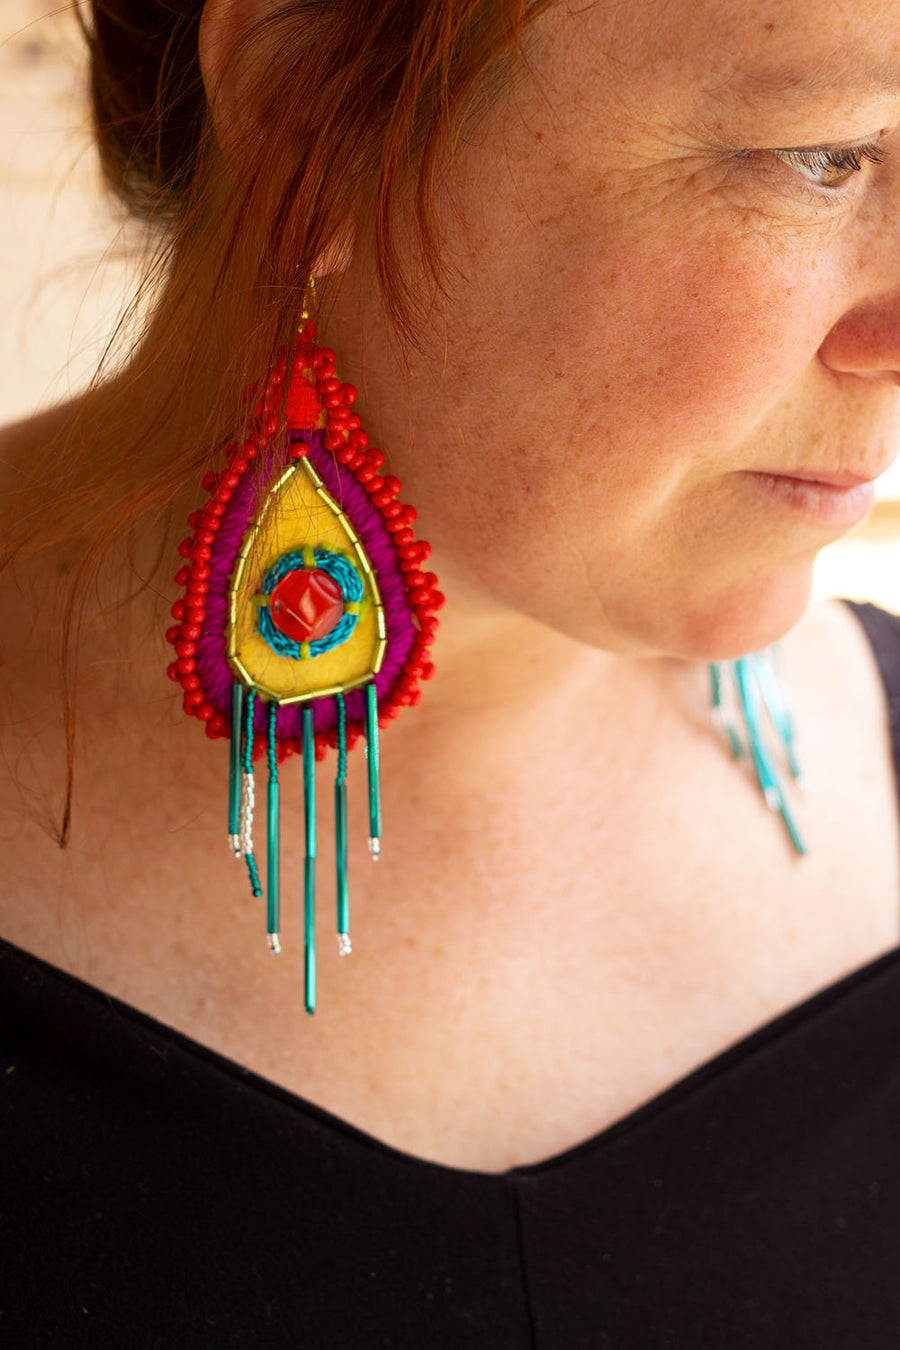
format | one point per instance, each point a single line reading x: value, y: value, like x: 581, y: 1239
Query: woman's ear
x: 228, y: 60
x: 234, y: 43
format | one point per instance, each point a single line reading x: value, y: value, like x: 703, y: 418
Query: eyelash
x: 820, y: 158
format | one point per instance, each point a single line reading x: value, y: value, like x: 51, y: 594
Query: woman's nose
x: 866, y: 341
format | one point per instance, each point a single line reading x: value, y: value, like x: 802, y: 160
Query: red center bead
x: 306, y: 605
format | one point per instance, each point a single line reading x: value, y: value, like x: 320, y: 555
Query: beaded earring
x: 755, y: 691
x: 306, y: 619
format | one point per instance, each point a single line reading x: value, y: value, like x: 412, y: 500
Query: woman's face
x: 653, y: 305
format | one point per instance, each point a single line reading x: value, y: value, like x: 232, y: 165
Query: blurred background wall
x: 68, y: 261
x: 64, y: 258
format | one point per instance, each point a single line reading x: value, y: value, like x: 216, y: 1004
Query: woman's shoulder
x: 853, y: 639
x: 843, y: 621
x: 882, y: 630
x: 48, y: 428
x: 30, y: 432
x: 841, y: 668
x: 23, y: 440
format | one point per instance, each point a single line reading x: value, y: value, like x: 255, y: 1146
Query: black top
x: 153, y: 1193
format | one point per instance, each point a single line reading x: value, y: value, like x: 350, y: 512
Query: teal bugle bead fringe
x: 777, y: 709
x: 340, y: 846
x: 234, y: 768
x: 273, y: 917
x: 309, y: 934
x: 340, y: 831
x: 758, y: 695
x: 241, y: 810
x: 716, y: 680
x: 374, y: 770
x: 309, y: 862
x: 248, y: 798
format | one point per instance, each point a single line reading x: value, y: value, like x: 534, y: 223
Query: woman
x: 618, y: 290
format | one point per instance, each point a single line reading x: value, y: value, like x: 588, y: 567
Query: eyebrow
x: 784, y: 82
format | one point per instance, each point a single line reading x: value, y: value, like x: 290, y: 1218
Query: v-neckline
x: 733, y: 1056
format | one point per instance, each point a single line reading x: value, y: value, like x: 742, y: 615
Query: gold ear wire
x: 308, y: 308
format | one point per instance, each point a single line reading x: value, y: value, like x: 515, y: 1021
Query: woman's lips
x: 834, y: 499
x: 829, y: 479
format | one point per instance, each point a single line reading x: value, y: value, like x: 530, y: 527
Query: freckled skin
x: 636, y: 315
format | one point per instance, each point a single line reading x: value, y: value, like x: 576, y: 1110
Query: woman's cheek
x: 707, y: 342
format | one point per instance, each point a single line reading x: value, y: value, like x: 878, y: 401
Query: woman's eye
x: 831, y: 168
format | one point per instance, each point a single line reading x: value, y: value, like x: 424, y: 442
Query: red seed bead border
x: 317, y: 400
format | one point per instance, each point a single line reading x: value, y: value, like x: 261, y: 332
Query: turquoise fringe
x: 309, y: 862
x: 273, y: 916
x: 759, y: 692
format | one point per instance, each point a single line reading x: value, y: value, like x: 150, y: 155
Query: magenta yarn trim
x: 216, y: 676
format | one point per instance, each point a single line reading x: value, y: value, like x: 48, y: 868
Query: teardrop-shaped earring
x: 750, y: 686
x: 306, y: 620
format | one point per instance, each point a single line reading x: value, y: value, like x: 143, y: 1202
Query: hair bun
x: 148, y: 99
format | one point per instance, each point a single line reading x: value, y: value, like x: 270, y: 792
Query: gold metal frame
x: 240, y: 569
